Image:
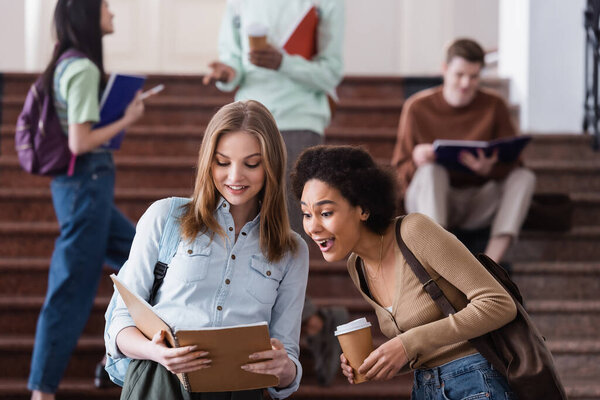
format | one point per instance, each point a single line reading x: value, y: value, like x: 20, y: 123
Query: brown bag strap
x: 430, y: 286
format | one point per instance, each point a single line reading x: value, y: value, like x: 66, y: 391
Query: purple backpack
x: 40, y: 141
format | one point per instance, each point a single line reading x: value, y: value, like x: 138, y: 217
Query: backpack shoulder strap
x: 430, y: 286
x: 169, y: 241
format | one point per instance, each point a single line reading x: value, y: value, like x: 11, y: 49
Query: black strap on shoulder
x: 358, y: 264
x: 160, y: 270
x: 430, y: 286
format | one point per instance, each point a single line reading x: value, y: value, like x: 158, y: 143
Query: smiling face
x: 461, y: 81
x: 106, y: 19
x: 237, y: 169
x: 330, y: 220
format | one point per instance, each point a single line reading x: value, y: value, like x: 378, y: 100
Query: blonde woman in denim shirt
x: 237, y: 262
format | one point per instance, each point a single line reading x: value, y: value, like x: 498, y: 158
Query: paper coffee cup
x: 357, y: 343
x: 257, y: 36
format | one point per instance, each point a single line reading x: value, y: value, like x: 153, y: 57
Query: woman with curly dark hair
x: 348, y: 204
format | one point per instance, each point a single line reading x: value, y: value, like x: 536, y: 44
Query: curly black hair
x: 353, y: 172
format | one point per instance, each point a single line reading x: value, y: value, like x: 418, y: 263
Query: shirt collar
x: 223, y: 207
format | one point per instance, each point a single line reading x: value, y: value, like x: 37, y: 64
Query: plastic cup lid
x: 355, y: 325
x: 256, y: 29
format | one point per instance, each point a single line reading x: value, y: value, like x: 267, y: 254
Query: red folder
x: 303, y: 38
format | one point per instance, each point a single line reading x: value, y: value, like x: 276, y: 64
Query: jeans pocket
x: 476, y: 396
x: 65, y: 192
x: 469, y: 385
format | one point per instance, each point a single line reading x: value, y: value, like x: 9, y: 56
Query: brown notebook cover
x: 229, y: 348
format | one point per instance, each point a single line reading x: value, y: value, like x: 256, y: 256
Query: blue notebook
x: 117, y: 95
x: 509, y: 149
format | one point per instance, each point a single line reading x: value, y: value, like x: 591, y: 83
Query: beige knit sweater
x: 430, y: 338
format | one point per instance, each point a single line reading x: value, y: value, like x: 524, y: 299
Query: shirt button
x: 268, y: 273
x: 94, y: 176
x: 230, y: 229
x: 243, y: 233
x: 219, y: 308
x: 233, y: 256
x: 227, y: 281
x: 224, y: 205
x: 427, y: 376
x: 190, y: 251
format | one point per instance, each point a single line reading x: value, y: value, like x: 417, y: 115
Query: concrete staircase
x: 559, y: 273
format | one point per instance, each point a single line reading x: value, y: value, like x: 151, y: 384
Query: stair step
x: 19, y: 315
x: 350, y: 87
x: 556, y: 319
x: 133, y: 202
x: 198, y: 111
x: 162, y: 109
x: 586, y: 208
x: 15, y: 357
x: 560, y: 147
x: 141, y: 172
x: 141, y: 140
x: 537, y: 281
x: 19, y: 349
x: 35, y: 204
x: 565, y: 176
x: 69, y: 389
x: 559, y: 280
x: 187, y: 110
x: 179, y: 172
x: 575, y: 360
x: 15, y: 84
x: 576, y: 319
x: 36, y: 239
x: 184, y: 140
x: 396, y: 389
x: 579, y: 244
x: 76, y: 389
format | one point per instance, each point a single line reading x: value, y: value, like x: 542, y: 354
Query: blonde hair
x: 252, y: 117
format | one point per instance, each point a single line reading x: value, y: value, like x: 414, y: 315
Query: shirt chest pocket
x: 263, y: 280
x: 190, y: 263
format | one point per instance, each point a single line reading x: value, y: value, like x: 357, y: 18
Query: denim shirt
x: 217, y: 283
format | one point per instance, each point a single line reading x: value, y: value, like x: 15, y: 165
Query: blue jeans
x: 92, y: 232
x: 468, y: 378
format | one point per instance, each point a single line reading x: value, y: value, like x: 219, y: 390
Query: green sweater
x: 296, y: 94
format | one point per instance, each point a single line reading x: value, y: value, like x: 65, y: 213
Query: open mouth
x: 325, y: 244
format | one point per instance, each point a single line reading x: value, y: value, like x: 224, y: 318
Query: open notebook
x: 229, y: 347
x: 447, y: 152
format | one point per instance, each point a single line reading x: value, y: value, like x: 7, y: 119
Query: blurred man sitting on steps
x: 491, y: 193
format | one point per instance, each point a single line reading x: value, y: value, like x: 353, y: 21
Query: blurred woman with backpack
x: 93, y: 232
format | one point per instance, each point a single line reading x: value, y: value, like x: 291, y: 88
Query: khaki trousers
x: 501, y: 204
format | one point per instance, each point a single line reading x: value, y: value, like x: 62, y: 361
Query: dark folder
x: 117, y: 95
x: 447, y: 151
